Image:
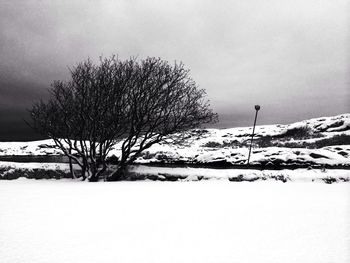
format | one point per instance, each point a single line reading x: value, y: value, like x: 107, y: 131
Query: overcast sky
x: 291, y: 57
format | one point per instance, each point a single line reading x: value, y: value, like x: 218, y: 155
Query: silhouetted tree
x: 136, y: 102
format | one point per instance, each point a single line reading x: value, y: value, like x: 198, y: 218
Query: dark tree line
x: 136, y: 102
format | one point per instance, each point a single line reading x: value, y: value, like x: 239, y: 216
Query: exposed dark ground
x: 217, y: 165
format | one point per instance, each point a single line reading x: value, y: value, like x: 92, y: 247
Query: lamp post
x: 257, y: 108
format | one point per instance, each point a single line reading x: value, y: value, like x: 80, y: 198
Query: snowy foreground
x: 207, y: 221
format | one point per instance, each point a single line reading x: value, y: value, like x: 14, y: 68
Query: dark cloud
x: 290, y: 56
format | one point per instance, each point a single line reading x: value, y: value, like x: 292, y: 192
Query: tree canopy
x: 135, y: 102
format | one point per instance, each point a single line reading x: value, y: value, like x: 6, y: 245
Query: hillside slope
x: 319, y: 141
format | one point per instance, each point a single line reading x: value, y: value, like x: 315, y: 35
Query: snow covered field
x: 207, y: 221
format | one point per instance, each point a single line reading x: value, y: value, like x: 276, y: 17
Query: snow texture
x: 203, y: 222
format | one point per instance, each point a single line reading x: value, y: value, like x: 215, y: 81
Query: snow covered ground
x: 12, y: 170
x: 297, y: 144
x: 198, y: 222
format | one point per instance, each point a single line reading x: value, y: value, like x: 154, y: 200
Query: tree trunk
x: 119, y: 175
x: 104, y: 168
x: 71, y: 168
x: 93, y: 172
x: 83, y: 171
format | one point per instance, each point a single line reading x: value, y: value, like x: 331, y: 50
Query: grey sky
x: 292, y: 57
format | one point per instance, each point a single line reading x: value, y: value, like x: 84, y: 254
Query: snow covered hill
x: 319, y: 141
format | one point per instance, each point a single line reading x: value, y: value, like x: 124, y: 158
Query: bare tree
x: 163, y: 100
x: 136, y: 102
x: 86, y: 115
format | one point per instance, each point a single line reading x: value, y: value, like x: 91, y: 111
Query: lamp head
x: 257, y: 107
